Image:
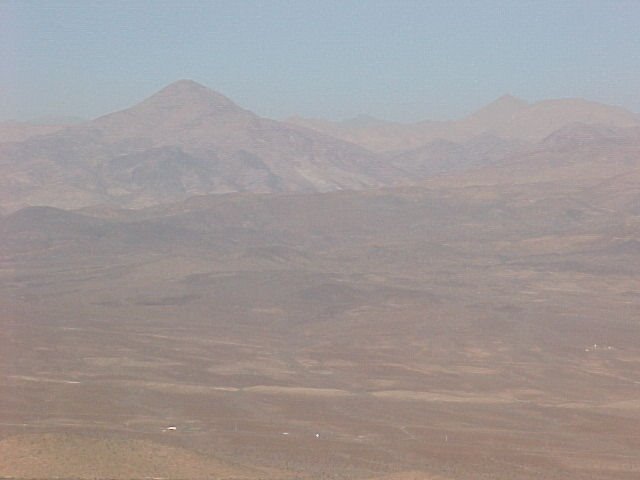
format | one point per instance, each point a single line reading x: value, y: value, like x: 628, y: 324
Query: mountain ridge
x: 187, y: 140
x: 182, y: 141
x: 508, y: 116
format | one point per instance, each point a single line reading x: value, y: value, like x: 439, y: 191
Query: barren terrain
x: 444, y: 332
x: 464, y: 309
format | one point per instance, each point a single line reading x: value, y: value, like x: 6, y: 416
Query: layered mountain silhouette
x: 185, y: 140
x: 507, y: 117
x: 189, y: 140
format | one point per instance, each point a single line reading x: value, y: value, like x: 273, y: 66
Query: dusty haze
x: 190, y: 290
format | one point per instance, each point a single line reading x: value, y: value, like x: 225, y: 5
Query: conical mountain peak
x: 504, y: 104
x: 187, y: 93
x: 178, y: 113
x: 508, y: 99
x: 503, y: 109
x: 186, y: 84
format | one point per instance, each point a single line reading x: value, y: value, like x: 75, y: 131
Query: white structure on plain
x: 595, y: 347
x: 171, y: 429
x: 317, y: 435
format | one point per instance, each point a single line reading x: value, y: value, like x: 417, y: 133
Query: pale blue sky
x: 399, y: 60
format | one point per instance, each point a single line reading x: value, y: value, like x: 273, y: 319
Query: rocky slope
x: 185, y: 140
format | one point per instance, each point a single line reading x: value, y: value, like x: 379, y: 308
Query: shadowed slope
x: 185, y: 140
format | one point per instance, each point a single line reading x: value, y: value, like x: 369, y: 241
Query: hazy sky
x: 399, y: 60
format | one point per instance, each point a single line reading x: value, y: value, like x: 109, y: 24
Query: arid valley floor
x: 449, y: 335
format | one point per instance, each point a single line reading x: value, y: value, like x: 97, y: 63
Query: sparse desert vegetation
x: 436, y: 329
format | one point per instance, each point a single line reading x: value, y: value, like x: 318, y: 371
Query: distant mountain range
x: 188, y: 140
x: 507, y: 117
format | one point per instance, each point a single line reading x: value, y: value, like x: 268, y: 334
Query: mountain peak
x: 184, y: 86
x: 505, y: 103
x: 188, y: 92
x: 186, y: 83
x: 182, y: 109
x: 508, y: 99
x: 500, y: 110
